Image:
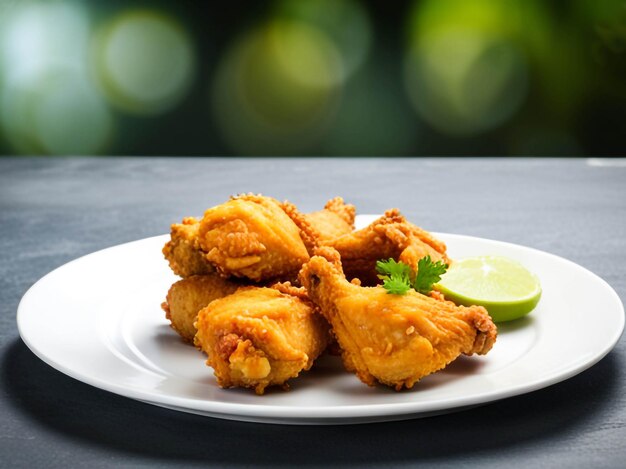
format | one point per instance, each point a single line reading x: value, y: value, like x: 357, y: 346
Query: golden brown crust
x: 250, y: 236
x: 335, y: 220
x: 321, y: 227
x: 394, y: 339
x: 330, y: 254
x: 288, y: 289
x: 259, y: 337
x: 347, y: 212
x: 308, y: 233
x: 188, y: 296
x: 247, y: 237
x: 390, y: 236
x: 361, y: 249
x: 183, y: 252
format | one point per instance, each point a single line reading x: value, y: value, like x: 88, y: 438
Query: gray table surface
x: 54, y: 210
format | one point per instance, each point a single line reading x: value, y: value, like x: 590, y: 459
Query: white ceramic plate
x: 98, y: 319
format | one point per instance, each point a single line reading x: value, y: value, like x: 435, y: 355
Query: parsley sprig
x: 398, y: 278
x: 428, y: 273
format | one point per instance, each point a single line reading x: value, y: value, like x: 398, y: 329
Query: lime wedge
x: 503, y: 286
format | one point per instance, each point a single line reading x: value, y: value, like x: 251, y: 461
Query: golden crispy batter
x: 188, y: 296
x: 320, y: 227
x: 336, y: 219
x: 391, y: 236
x: 183, y: 252
x: 259, y: 337
x: 308, y: 233
x: 300, y: 292
x: 394, y: 339
x: 289, y: 289
x: 230, y: 254
x: 250, y: 236
x: 347, y: 212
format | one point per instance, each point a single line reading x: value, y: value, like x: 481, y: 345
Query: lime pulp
x: 503, y: 286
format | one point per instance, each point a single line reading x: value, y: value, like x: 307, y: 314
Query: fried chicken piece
x: 250, y: 236
x: 334, y: 211
x: 186, y: 256
x: 394, y: 339
x: 391, y: 236
x: 319, y: 228
x: 259, y: 336
x: 183, y: 251
x: 188, y: 296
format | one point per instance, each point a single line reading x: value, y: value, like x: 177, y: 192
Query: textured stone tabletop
x: 55, y: 210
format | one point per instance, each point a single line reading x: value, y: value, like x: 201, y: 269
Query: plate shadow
x: 92, y: 417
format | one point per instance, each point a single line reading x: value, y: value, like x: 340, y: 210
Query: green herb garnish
x: 396, y: 276
x: 428, y: 273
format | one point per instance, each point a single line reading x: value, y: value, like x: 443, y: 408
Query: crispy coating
x: 183, y: 252
x: 231, y: 254
x: 393, y: 339
x: 250, y: 236
x: 320, y: 227
x: 344, y: 211
x: 391, y: 236
x: 188, y: 296
x: 259, y: 337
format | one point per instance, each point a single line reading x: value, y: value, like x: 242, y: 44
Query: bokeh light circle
x: 345, y: 22
x: 144, y: 61
x: 34, y: 34
x: 466, y: 84
x: 276, y: 88
x: 58, y: 112
x: 464, y: 72
x: 48, y: 105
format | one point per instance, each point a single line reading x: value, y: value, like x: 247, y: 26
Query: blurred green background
x: 313, y: 77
